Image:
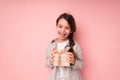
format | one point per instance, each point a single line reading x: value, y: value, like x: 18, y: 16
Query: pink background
x: 27, y: 27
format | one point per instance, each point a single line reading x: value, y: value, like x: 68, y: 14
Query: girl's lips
x: 62, y: 34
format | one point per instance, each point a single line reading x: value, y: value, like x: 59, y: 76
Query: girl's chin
x: 62, y: 38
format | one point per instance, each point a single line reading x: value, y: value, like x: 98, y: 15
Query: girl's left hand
x: 70, y: 57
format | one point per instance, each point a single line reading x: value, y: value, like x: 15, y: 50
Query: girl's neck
x: 61, y: 40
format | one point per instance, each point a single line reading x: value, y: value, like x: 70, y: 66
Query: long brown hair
x: 70, y: 19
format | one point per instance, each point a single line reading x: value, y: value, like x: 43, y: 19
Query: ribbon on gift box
x: 60, y: 58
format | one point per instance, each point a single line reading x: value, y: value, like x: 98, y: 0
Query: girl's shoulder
x: 76, y: 45
x: 53, y: 40
x: 52, y: 43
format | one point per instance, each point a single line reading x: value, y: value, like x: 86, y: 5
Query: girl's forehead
x: 62, y: 21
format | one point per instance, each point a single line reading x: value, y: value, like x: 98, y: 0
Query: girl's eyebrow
x: 65, y: 26
x: 68, y: 26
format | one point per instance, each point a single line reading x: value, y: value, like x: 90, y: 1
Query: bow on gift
x: 60, y: 58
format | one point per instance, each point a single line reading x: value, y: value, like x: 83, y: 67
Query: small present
x: 60, y: 59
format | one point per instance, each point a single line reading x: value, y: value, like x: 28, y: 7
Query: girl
x: 65, y: 26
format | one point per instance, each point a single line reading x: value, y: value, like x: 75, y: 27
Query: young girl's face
x: 63, y: 29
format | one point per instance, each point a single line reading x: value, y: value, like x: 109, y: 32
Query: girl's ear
x: 71, y: 31
x: 56, y: 26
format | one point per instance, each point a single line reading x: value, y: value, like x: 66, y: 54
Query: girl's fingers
x: 70, y: 60
x: 70, y: 57
x: 54, y: 50
x: 69, y: 54
x: 52, y: 56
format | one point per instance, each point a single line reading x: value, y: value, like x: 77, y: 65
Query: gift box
x: 60, y: 59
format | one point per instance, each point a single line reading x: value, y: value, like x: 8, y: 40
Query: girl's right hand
x: 52, y: 56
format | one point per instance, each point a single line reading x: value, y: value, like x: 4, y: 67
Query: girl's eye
x: 67, y: 28
x: 60, y: 26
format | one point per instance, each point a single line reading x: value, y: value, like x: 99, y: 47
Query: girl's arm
x: 78, y: 60
x: 48, y: 55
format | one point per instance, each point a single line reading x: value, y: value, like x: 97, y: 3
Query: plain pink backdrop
x: 27, y: 27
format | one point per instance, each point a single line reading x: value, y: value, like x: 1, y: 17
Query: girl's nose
x: 63, y: 29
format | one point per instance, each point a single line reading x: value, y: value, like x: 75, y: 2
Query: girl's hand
x: 70, y: 57
x: 52, y: 56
